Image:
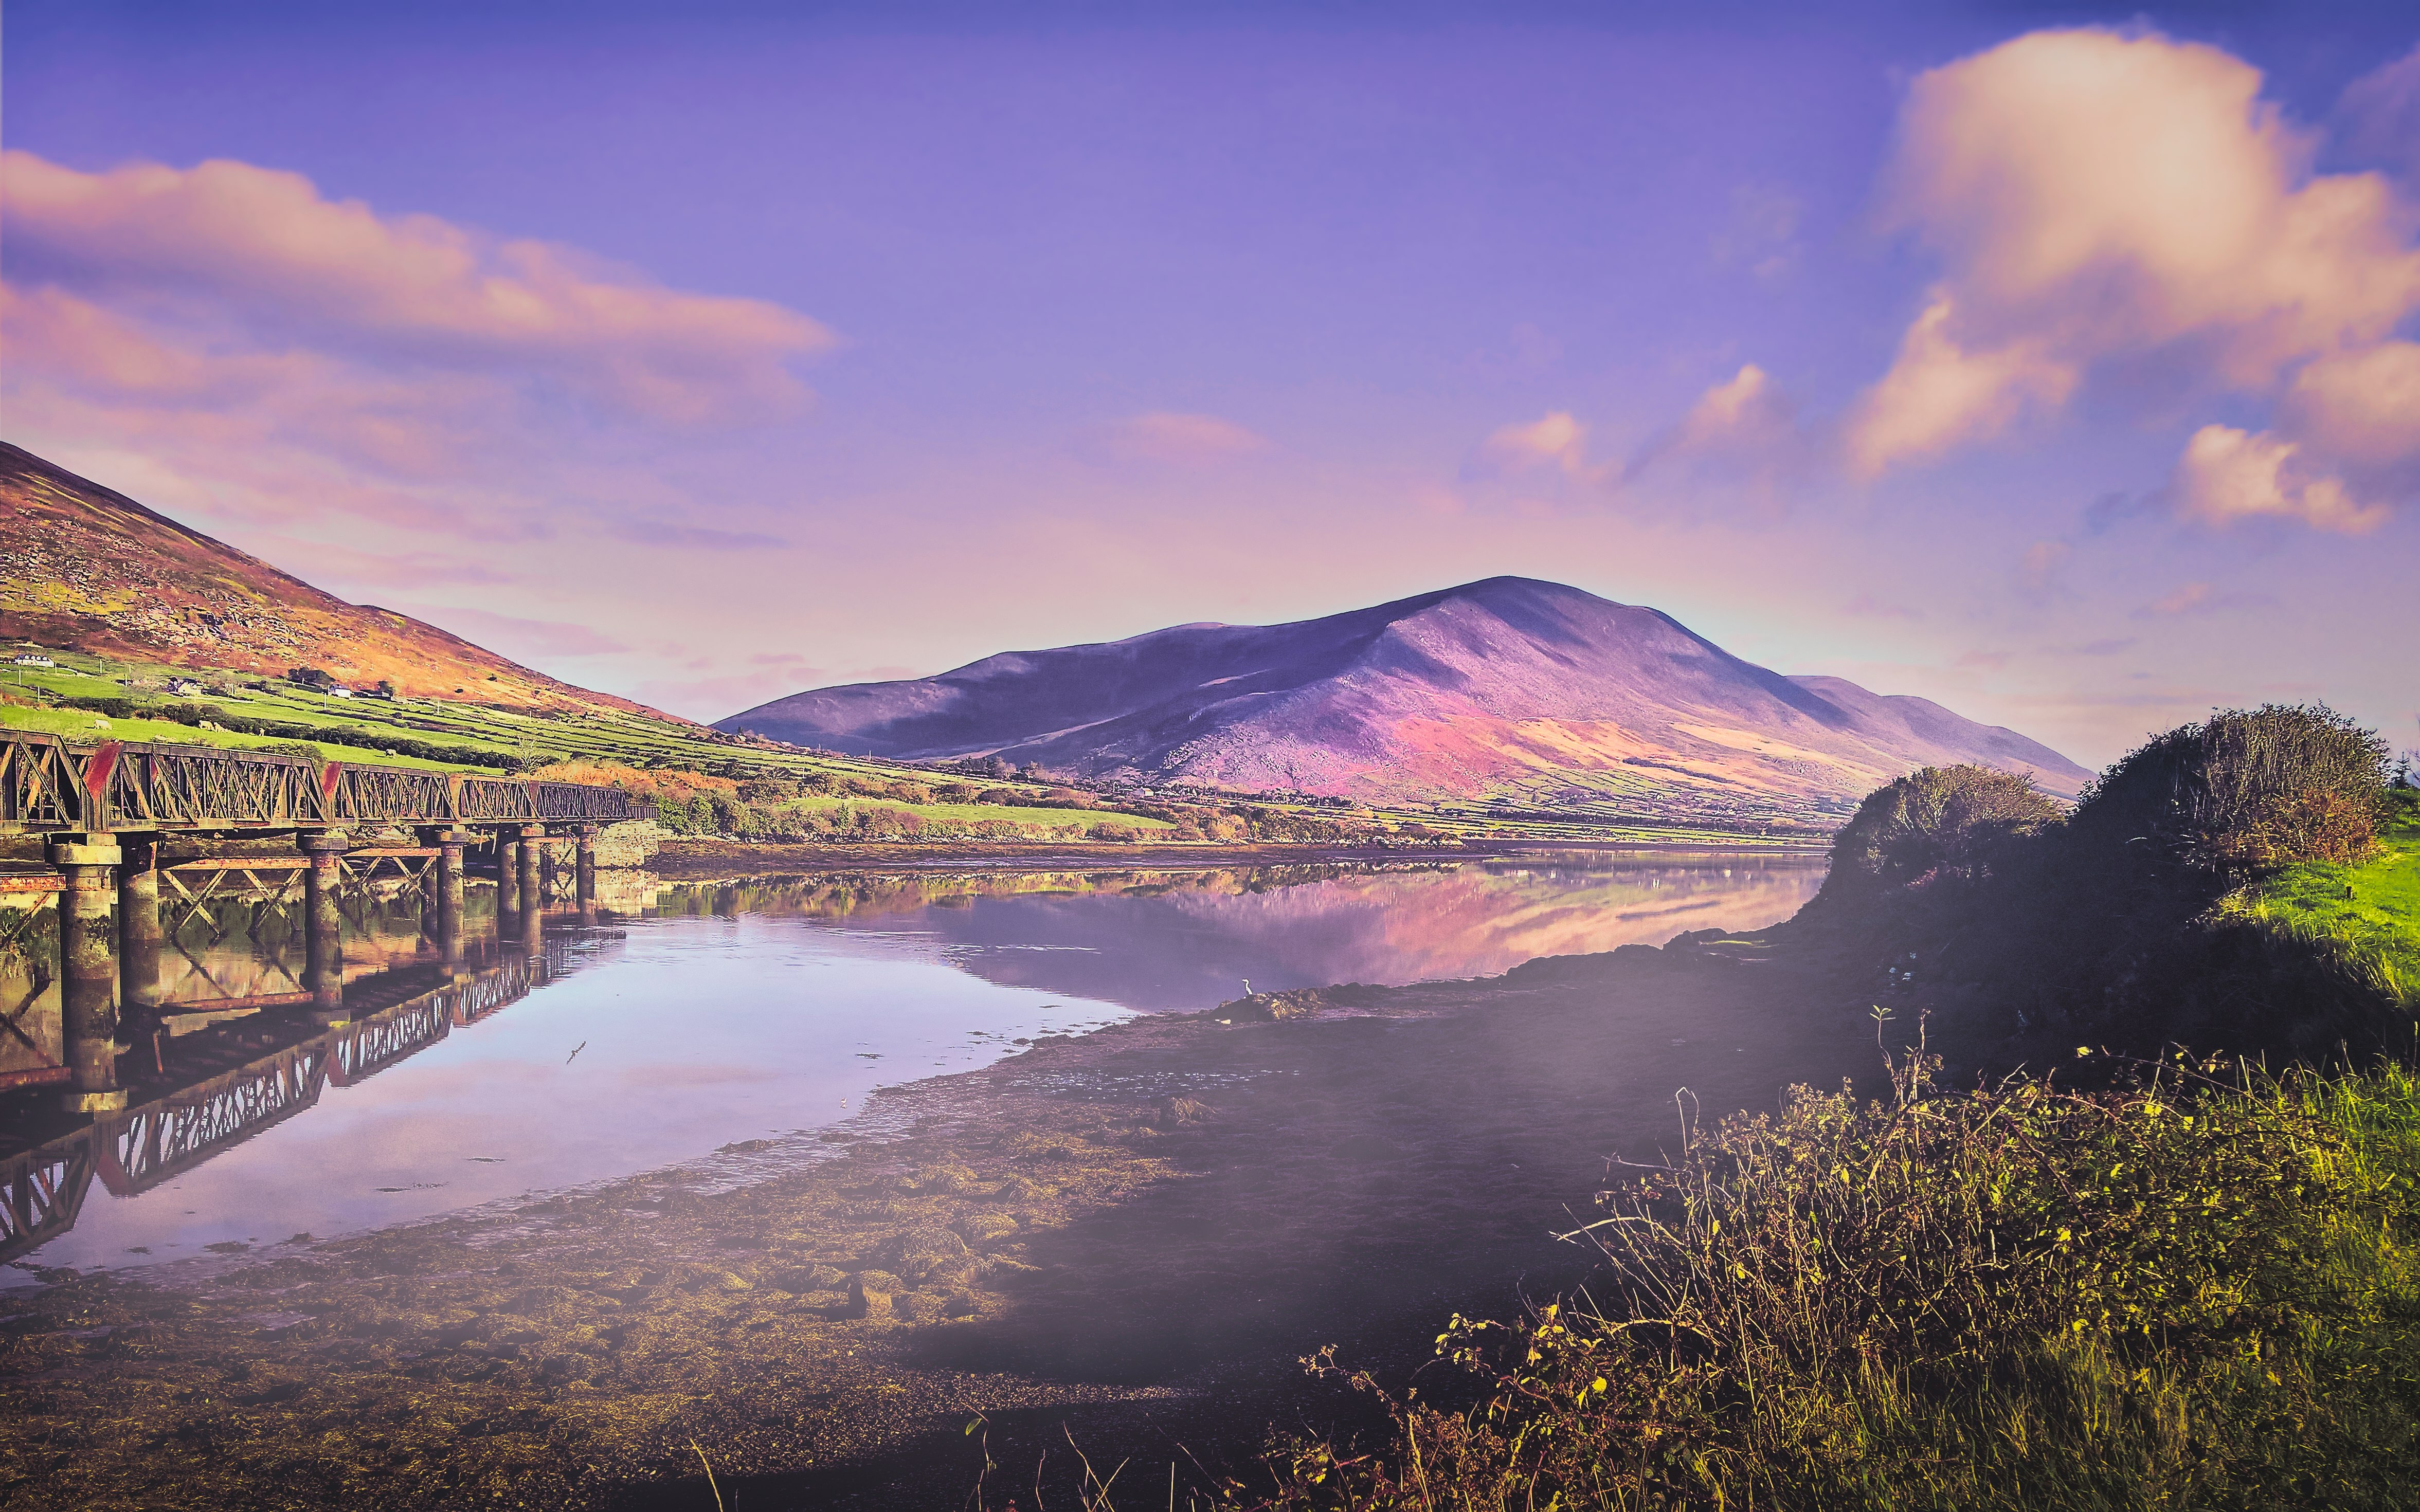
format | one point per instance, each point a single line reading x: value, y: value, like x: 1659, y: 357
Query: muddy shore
x: 1127, y: 1236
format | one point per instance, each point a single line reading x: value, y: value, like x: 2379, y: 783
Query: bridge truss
x: 48, y: 784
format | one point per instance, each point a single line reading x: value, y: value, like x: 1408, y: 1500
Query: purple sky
x: 2054, y: 363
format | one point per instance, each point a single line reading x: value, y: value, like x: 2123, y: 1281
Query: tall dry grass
x: 2199, y: 1287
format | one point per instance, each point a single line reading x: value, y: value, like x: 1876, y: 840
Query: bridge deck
x: 47, y: 784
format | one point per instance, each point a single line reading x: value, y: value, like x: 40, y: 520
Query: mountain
x: 85, y: 567
x: 1510, y: 690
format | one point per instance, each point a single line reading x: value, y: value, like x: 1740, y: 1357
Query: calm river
x: 692, y: 1018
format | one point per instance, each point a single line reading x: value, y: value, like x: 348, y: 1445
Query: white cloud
x: 1763, y: 233
x: 2227, y: 475
x: 2382, y: 114
x: 1185, y: 439
x: 1940, y: 395
x: 228, y: 249
x: 2094, y: 196
x: 2362, y: 405
x: 1554, y: 438
x: 2041, y: 565
x: 1743, y: 429
x: 253, y: 353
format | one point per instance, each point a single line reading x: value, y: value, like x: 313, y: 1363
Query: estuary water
x: 681, y: 1021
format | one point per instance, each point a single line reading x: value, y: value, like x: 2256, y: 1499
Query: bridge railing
x: 46, y: 783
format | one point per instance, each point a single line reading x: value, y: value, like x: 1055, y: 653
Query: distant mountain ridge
x: 85, y: 566
x: 1509, y: 689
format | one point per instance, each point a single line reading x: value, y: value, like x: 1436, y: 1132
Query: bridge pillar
x: 449, y: 893
x: 509, y: 868
x: 323, y: 924
x: 585, y: 877
x: 139, y: 938
x: 532, y: 895
x: 88, y: 971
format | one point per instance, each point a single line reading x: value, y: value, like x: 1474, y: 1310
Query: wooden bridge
x: 99, y: 826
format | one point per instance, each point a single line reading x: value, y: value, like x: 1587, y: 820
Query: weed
x: 2199, y: 1287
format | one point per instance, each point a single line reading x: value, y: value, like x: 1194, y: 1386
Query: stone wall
x: 618, y: 846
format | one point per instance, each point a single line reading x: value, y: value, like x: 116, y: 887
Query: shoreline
x: 687, y: 859
x: 1132, y: 1232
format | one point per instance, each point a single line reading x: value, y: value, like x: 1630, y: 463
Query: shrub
x: 2247, y: 791
x: 108, y: 708
x: 1938, y: 819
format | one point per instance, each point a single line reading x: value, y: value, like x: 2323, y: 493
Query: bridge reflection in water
x: 230, y: 1046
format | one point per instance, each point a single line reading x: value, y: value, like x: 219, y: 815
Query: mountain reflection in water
x: 1158, y: 941
x: 687, y: 1018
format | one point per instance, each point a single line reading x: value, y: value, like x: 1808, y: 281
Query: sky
x: 2059, y: 364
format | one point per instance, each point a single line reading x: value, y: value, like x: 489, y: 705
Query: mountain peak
x: 1505, y: 686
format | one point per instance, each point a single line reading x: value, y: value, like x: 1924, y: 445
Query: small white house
x: 340, y: 692
x: 183, y: 687
x: 34, y: 658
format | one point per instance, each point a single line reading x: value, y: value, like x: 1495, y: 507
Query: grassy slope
x: 83, y: 566
x: 2371, y: 910
x: 601, y: 734
x: 80, y: 726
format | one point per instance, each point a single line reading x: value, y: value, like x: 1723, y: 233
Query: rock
x: 870, y: 1293
x: 922, y: 1250
x: 1267, y: 1008
x: 1176, y: 1111
x: 629, y: 845
x: 924, y: 1307
x: 981, y: 1228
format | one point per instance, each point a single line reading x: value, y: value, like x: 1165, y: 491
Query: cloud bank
x: 254, y: 350
x: 2098, y: 199
x: 234, y: 250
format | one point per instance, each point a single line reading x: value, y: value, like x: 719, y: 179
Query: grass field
x: 2372, y: 909
x: 81, y: 725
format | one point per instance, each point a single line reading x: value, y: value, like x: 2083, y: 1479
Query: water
x: 695, y: 1018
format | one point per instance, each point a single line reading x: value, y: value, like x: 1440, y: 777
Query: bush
x: 1936, y: 819
x: 108, y: 708
x: 2247, y: 791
